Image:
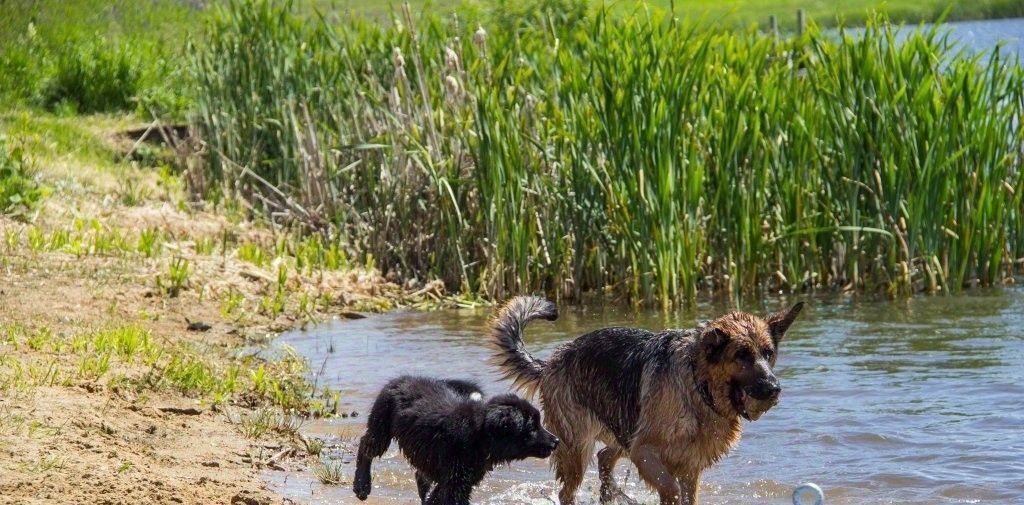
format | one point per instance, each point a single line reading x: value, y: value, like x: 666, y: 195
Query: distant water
x: 917, y: 401
x: 985, y: 35
x: 981, y: 36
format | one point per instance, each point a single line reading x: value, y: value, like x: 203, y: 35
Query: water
x: 914, y: 401
x: 984, y: 35
x: 976, y: 36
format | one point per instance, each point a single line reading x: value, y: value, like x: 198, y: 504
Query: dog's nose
x: 766, y: 389
x: 554, y: 443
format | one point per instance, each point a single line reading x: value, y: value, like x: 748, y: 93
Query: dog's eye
x: 768, y: 354
x: 744, y: 355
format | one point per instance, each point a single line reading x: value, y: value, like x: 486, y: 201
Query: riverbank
x: 134, y: 326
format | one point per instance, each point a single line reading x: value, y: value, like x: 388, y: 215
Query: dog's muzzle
x: 547, y: 447
x: 766, y: 389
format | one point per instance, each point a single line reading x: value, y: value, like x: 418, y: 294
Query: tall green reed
x: 633, y: 155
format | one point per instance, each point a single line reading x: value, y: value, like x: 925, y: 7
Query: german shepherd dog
x: 449, y: 434
x: 670, y: 401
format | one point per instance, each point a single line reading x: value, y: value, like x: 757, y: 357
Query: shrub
x: 93, y: 75
x: 22, y: 68
x: 20, y: 192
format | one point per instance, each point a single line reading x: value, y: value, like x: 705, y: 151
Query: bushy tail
x: 511, y: 356
x: 375, y: 441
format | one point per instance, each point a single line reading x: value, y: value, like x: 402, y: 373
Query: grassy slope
x: 745, y: 12
x: 56, y: 19
x: 168, y: 20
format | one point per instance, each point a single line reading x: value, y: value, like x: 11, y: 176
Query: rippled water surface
x: 915, y: 401
x: 983, y: 35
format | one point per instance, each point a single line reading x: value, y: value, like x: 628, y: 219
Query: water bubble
x: 808, y: 494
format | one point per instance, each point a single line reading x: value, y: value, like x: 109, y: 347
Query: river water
x: 986, y: 34
x: 912, y: 401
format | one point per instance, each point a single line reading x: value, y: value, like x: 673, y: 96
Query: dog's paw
x: 361, y: 487
x: 612, y: 495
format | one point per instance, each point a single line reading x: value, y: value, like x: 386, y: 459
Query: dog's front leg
x: 610, y: 492
x: 689, y: 485
x: 423, y: 485
x: 653, y: 471
x: 448, y: 494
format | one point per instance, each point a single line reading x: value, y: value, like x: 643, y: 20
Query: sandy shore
x: 132, y: 330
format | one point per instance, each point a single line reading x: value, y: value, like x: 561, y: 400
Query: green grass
x: 312, y: 445
x: 169, y: 22
x: 84, y: 56
x: 161, y: 20
x: 733, y: 13
x: 20, y: 191
x: 176, y: 279
x: 571, y: 152
x: 51, y: 138
x: 329, y: 472
x: 743, y: 13
x: 264, y: 421
x: 119, y: 55
x: 629, y: 155
x: 130, y: 357
x: 93, y: 76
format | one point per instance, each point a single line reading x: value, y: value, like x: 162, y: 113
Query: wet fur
x: 449, y: 435
x: 666, y: 400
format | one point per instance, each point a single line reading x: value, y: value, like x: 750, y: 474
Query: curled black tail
x: 511, y: 356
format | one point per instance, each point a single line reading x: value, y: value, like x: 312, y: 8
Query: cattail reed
x: 629, y: 155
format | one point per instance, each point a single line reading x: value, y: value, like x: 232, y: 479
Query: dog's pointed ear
x: 779, y: 322
x: 713, y: 341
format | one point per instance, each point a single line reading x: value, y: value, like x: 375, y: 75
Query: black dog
x: 449, y: 435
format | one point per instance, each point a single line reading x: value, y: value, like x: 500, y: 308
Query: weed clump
x: 93, y: 75
x: 328, y: 472
x: 20, y: 191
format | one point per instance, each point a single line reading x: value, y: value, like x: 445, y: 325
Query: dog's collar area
x: 705, y: 394
x: 702, y: 388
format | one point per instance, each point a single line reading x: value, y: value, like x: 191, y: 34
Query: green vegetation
x: 628, y: 154
x: 328, y: 472
x: 78, y: 56
x: 93, y: 77
x: 118, y: 55
x: 49, y: 139
x: 176, y: 278
x: 743, y: 13
x: 151, y: 364
x: 728, y: 13
x: 312, y: 445
x: 265, y: 421
x: 561, y: 148
x: 20, y: 192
